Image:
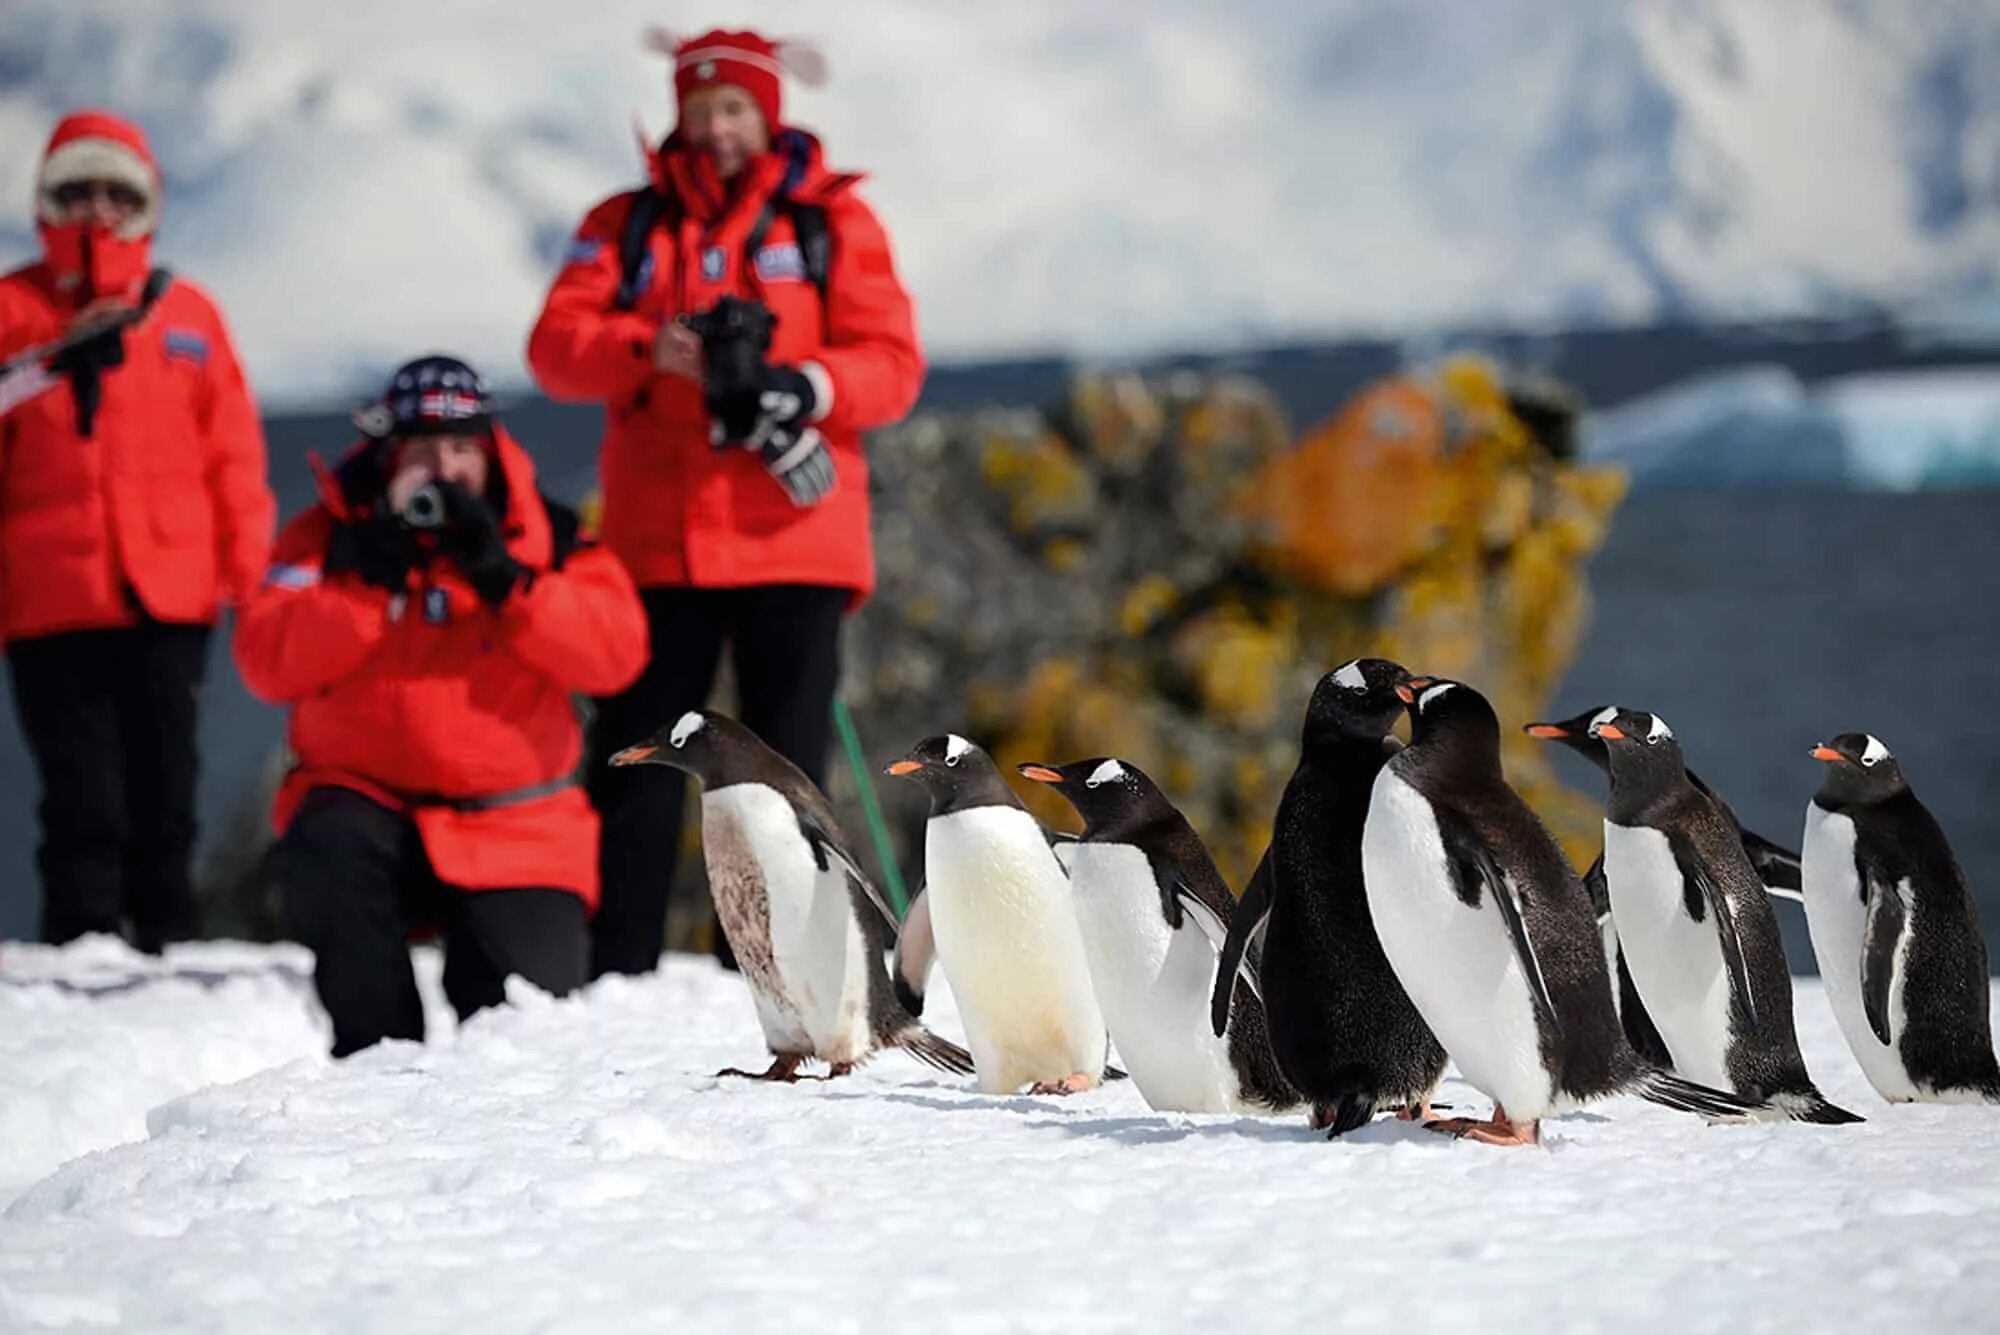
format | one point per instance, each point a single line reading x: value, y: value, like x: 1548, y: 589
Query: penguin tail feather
x: 1810, y: 1105
x: 1671, y: 1091
x: 928, y: 1048
x: 1353, y: 1112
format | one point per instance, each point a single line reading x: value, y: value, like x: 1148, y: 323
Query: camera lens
x: 425, y: 508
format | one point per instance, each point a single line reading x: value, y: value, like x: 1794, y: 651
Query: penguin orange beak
x: 1827, y: 754
x: 1609, y: 731
x: 1548, y: 732
x: 1041, y: 774
x: 902, y: 767
x: 634, y: 755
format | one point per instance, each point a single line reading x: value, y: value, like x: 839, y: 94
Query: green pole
x: 878, y: 829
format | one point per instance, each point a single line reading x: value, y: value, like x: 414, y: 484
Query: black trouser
x: 785, y: 647
x: 109, y: 716
x: 353, y: 880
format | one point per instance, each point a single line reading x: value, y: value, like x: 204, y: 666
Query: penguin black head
x: 1113, y: 796
x: 1645, y: 755
x: 1449, y: 718
x: 698, y: 742
x: 1356, y: 701
x: 1859, y: 770
x: 1576, y: 735
x: 956, y: 773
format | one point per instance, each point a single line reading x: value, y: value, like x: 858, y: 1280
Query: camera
x: 424, y: 509
x: 735, y: 334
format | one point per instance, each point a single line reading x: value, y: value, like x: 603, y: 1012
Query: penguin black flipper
x: 1777, y: 866
x: 1703, y: 894
x: 1473, y: 873
x: 1598, y: 889
x: 1251, y: 911
x: 826, y: 851
x: 915, y: 949
x: 1211, y: 926
x: 1881, y: 945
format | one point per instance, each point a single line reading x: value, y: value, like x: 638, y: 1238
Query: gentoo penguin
x: 1145, y: 889
x: 1344, y: 1032
x: 1896, y: 932
x: 1006, y: 932
x: 1698, y: 933
x: 806, y: 924
x: 1485, y: 922
x: 1777, y: 866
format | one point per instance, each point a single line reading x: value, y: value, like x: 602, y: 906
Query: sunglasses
x: 71, y: 194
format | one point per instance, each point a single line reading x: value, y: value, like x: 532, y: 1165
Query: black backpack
x: 649, y: 207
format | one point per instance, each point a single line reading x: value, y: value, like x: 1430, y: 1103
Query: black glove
x: 377, y: 548
x: 780, y: 411
x: 471, y: 537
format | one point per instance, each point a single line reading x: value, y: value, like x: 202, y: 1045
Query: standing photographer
x: 742, y: 322
x: 427, y: 621
x: 133, y: 509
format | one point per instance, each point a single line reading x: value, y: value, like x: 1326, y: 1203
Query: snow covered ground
x: 574, y: 1166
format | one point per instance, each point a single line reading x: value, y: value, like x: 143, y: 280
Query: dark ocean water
x: 1759, y: 623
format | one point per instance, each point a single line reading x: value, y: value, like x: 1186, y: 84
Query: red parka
x: 426, y: 697
x: 677, y: 510
x: 167, y: 496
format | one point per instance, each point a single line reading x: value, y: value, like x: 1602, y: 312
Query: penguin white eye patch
x: 1874, y: 753
x: 690, y: 723
x: 1109, y: 772
x: 1434, y: 693
x: 1348, y: 675
x: 955, y: 748
x: 1659, y: 731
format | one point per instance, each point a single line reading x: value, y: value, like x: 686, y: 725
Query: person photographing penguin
x: 428, y: 621
x: 741, y: 320
x: 134, y: 508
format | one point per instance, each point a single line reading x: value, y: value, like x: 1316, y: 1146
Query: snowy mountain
x: 364, y: 180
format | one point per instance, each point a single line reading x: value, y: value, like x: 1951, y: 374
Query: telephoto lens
x: 425, y: 508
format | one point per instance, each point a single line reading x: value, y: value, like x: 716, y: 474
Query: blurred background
x: 1645, y: 353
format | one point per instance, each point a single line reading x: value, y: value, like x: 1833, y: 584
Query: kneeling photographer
x: 427, y: 621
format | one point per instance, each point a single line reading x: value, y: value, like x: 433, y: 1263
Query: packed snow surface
x: 576, y: 1166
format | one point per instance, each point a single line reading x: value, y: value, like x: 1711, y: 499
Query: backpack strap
x: 634, y: 245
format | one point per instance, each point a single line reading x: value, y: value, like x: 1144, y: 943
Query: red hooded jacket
x: 677, y: 510
x: 166, y: 500
x: 427, y: 696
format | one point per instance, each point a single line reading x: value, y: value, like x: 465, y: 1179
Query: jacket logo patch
x: 286, y: 576
x: 437, y: 606
x: 583, y: 250
x: 781, y: 262
x: 714, y: 263
x: 187, y: 345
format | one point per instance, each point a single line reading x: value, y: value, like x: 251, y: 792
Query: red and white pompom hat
x: 98, y: 146
x: 746, y: 59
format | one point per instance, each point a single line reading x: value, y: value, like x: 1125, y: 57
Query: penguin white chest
x: 1675, y: 962
x: 1152, y: 982
x: 1837, y: 920
x: 1008, y: 942
x: 790, y: 924
x: 1456, y: 960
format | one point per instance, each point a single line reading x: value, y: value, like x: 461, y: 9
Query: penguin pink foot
x: 1497, y: 1130
x: 1075, y: 1083
x: 781, y: 1068
x: 1419, y: 1113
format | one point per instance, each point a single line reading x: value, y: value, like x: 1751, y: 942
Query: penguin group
x: 1411, y: 913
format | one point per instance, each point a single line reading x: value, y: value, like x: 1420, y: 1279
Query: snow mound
x: 575, y: 1166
